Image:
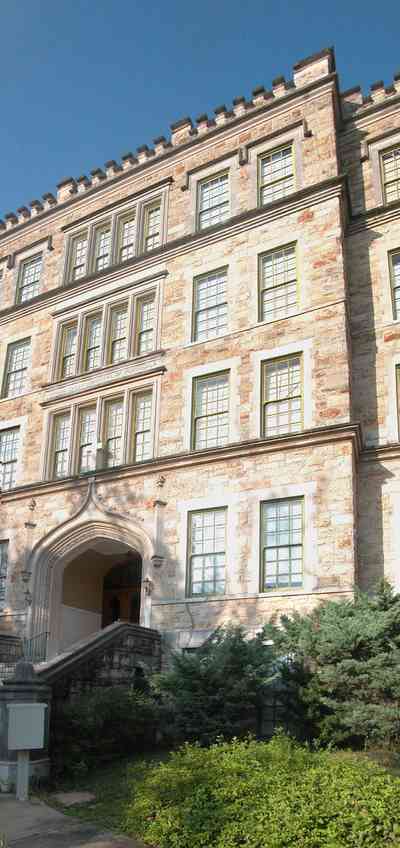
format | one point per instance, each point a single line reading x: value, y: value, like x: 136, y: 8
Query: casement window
x: 3, y: 569
x: 213, y: 201
x: 282, y: 396
x: 101, y: 338
x: 210, y: 425
x: 145, y: 325
x: 9, y: 447
x: 278, y: 284
x: 29, y: 278
x: 142, y: 426
x: 107, y: 433
x: 390, y: 168
x: 116, y: 239
x: 207, y: 552
x: 78, y: 255
x: 17, y: 364
x: 61, y: 444
x: 276, y: 174
x: 210, y: 307
x: 92, y: 354
x: 152, y: 227
x: 282, y: 544
x: 102, y: 248
x: 394, y: 261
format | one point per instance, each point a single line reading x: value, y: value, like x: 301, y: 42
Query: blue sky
x: 84, y: 81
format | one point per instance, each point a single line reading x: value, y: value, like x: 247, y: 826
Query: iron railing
x: 35, y: 648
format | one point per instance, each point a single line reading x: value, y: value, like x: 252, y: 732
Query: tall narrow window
x: 68, y: 351
x: 152, y: 227
x: 79, y: 252
x: 213, y: 201
x: 102, y: 250
x: 282, y: 544
x: 278, y: 284
x: 9, y: 446
x: 127, y: 236
x: 211, y: 411
x: 3, y: 569
x: 18, y: 359
x: 61, y: 444
x: 114, y: 421
x: 210, y: 306
x: 145, y: 325
x: 29, y: 279
x: 282, y: 396
x: 395, y: 277
x: 390, y: 161
x: 118, y: 350
x: 93, y: 343
x: 207, y: 547
x: 142, y: 426
x: 276, y: 174
x: 87, y: 439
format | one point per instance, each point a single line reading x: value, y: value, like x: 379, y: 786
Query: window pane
x: 114, y: 420
x: 277, y: 174
x: 3, y: 569
x: 103, y: 248
x: 93, y: 342
x: 152, y: 228
x: 211, y: 411
x: 118, y: 333
x: 79, y: 256
x: 61, y: 441
x: 142, y: 427
x: 282, y: 391
x: 68, y: 351
x: 213, y: 201
x: 210, y: 306
x: 395, y: 260
x: 18, y: 360
x: 391, y: 174
x: 278, y: 284
x: 127, y: 239
x: 145, y: 322
x: 207, y: 544
x: 87, y: 439
x: 9, y: 446
x: 29, y: 279
x: 282, y: 543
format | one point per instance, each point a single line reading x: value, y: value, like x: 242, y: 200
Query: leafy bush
x: 220, y: 688
x: 265, y: 795
x: 344, y: 674
x: 100, y: 725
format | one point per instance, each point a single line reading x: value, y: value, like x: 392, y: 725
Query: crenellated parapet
x: 355, y: 103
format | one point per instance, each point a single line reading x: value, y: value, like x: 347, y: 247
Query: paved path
x: 32, y: 824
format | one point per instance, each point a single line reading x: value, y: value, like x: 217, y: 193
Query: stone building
x: 199, y: 353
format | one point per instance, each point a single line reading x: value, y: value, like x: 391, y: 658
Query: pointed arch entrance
x: 69, y: 566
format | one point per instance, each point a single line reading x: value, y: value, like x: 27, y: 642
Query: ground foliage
x: 219, y: 689
x: 264, y: 795
x: 341, y: 673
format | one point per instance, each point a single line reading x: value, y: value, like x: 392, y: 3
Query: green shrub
x: 100, y: 725
x: 265, y: 795
x: 219, y: 689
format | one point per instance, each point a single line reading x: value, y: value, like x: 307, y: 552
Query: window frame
x: 225, y: 172
x: 7, y: 429
x: 149, y: 207
x: 275, y: 360
x: 195, y: 312
x: 383, y: 152
x: 276, y: 588
x: 393, y: 288
x: 24, y: 263
x: 261, y: 258
x: 4, y: 568
x: 263, y: 155
x: 10, y: 347
x: 189, y: 579
x: 203, y: 378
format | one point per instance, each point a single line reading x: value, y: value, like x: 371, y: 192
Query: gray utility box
x: 26, y: 726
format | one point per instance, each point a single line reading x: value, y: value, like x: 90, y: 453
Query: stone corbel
x: 10, y: 261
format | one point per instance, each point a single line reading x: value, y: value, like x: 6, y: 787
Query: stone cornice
x: 365, y: 111
x: 381, y: 452
x: 333, y: 434
x: 136, y: 195
x: 378, y: 215
x: 139, y: 368
x: 314, y: 194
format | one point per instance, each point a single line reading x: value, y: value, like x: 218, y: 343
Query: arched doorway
x: 100, y: 585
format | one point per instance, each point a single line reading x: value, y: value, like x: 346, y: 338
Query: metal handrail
x: 35, y: 648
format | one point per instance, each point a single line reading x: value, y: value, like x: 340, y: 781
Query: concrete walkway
x: 32, y: 824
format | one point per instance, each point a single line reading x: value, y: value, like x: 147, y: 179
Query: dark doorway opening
x: 121, y: 591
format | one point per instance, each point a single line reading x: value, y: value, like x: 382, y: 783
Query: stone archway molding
x: 93, y: 521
